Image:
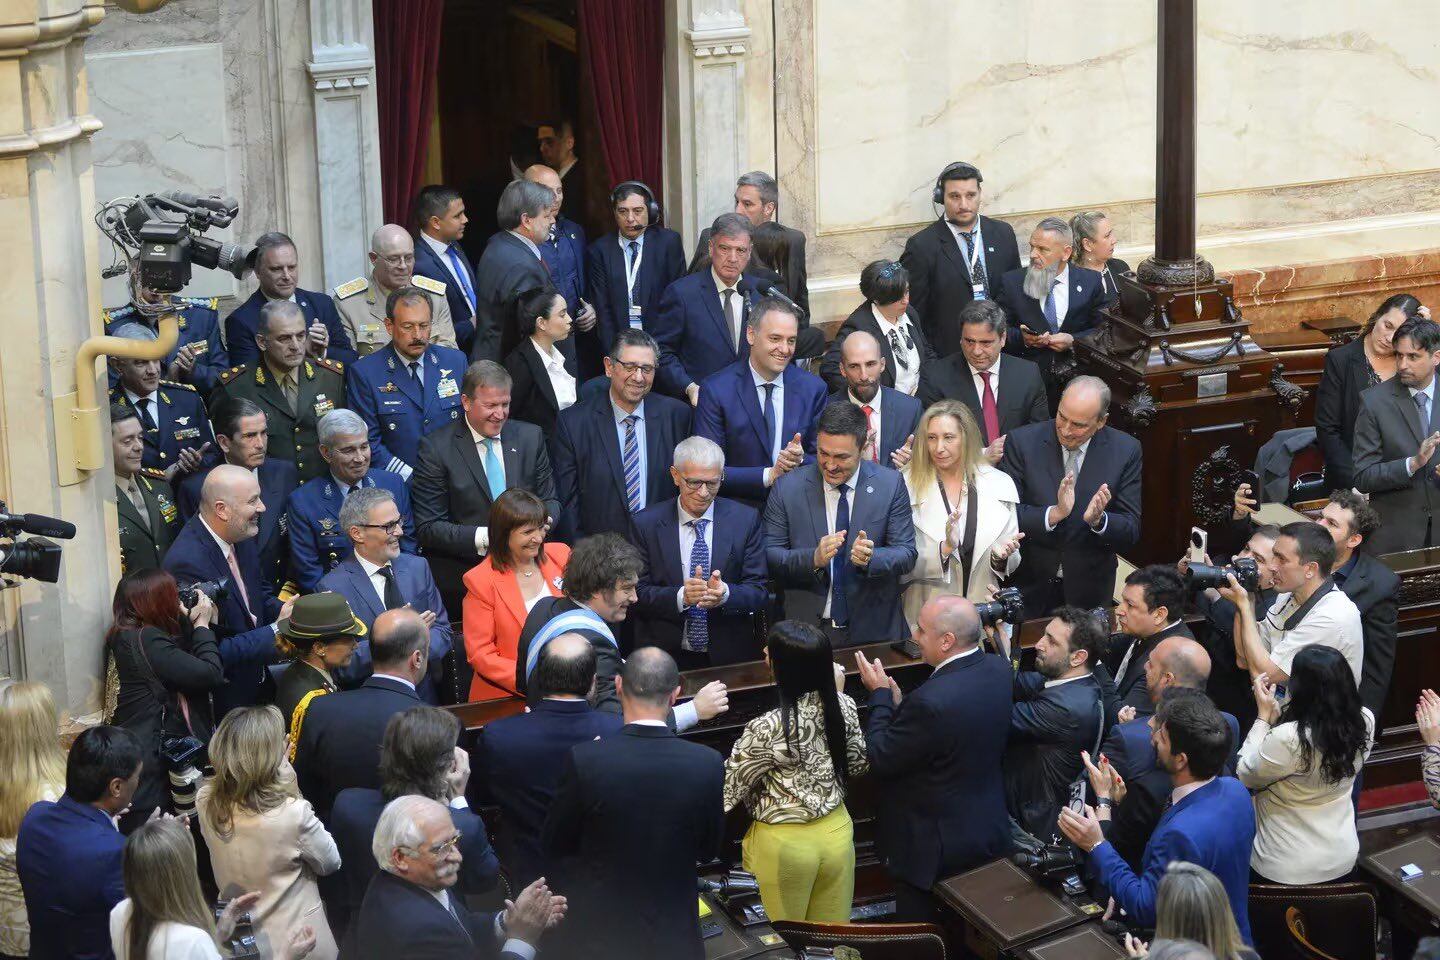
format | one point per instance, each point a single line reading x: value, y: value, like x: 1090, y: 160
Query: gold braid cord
x: 298, y: 718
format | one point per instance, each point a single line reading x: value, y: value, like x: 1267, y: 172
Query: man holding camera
x: 1149, y: 611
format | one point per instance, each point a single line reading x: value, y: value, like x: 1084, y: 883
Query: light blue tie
x: 461, y: 274
x: 494, y: 469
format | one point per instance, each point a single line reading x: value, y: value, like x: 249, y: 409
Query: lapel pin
x: 1077, y: 288
x: 869, y: 489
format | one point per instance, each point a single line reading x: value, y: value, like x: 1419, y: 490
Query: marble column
x: 51, y: 288
x: 347, y: 133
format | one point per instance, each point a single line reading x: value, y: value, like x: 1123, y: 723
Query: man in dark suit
x: 1004, y: 392
x: 761, y: 410
x: 608, y: 465
x: 463, y: 469
x: 891, y: 415
x: 757, y: 195
x: 518, y: 759
x: 958, y: 258
x: 440, y: 219
x: 704, y: 575
x: 277, y: 271
x: 633, y: 815
x: 1058, y: 465
x: 177, y: 435
x: 510, y: 265
x: 626, y: 271
x: 563, y: 251
x: 700, y: 322
x: 143, y: 500
x: 838, y: 536
x: 411, y: 909
x: 1397, y: 443
x: 1151, y: 608
x: 555, y: 141
x: 942, y: 740
x: 218, y: 543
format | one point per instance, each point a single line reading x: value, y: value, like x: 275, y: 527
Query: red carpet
x: 1401, y: 793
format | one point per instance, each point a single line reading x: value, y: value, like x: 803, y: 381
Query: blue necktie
x: 630, y: 267
x: 840, y: 564
x: 1423, y: 402
x: 494, y: 469
x: 630, y: 460
x: 1050, y: 309
x: 697, y: 621
x: 461, y: 274
x: 769, y: 389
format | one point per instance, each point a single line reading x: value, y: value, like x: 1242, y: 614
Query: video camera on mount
x: 163, y: 234
x: 1201, y: 576
x: 37, y: 558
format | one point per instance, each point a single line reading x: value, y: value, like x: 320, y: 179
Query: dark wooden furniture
x: 1322, y: 921
x: 1085, y: 942
x: 874, y: 941
x: 996, y: 909
x: 1389, y: 840
x: 1340, y: 330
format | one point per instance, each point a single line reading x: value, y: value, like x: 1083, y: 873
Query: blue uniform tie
x: 697, y: 621
x: 461, y: 274
x: 494, y: 469
x: 840, y: 564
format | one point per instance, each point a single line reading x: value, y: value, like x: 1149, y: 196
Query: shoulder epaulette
x: 227, y: 375
x: 118, y: 313
x: 209, y: 303
x: 426, y: 283
x: 154, y: 473
x: 351, y: 287
x: 178, y: 385
x: 334, y: 366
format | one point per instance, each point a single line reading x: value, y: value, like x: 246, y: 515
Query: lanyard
x: 974, y: 256
x: 632, y: 271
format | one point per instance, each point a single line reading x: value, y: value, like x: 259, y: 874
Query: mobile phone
x: 1199, y: 541
x: 1251, y: 479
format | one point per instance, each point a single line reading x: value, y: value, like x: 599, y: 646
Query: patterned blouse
x: 781, y: 785
x: 1430, y: 772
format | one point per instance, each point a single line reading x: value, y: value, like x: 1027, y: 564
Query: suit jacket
x: 633, y: 814
x: 863, y: 318
x: 143, y: 541
x: 795, y: 281
x: 1019, y: 390
x: 737, y: 550
x: 940, y: 282
x: 1373, y: 587
x: 794, y: 523
x: 662, y: 262
x: 451, y: 496
x: 1034, y: 461
x: 945, y: 739
x: 397, y: 410
x: 518, y: 760
x: 399, y: 919
x: 564, y: 256
x: 532, y: 396
x: 462, y: 313
x: 607, y: 653
x: 1086, y: 298
x: 506, y: 269
x: 1131, y: 689
x: 1337, y: 408
x: 317, y: 543
x: 899, y: 418
x: 1049, y: 726
x: 278, y: 480
x: 495, y: 617
x: 244, y: 322
x: 247, y: 642
x: 1387, y: 434
x: 68, y: 857
x: 729, y: 413
x: 1213, y: 827
x: 339, y: 743
x: 694, y: 335
x: 1109, y: 284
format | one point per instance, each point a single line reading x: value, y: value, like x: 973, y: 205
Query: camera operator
x: 1150, y: 609
x: 167, y: 662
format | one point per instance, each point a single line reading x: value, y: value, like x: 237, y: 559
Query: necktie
x: 494, y: 469
x: 770, y: 421
x: 133, y: 492
x: 630, y: 461
x: 634, y: 249
x: 1423, y: 403
x: 840, y: 564
x: 988, y: 411
x: 146, y: 417
x: 901, y: 359
x: 414, y: 367
x: 1072, y: 462
x: 727, y: 297
x: 461, y: 274
x: 697, y: 621
x: 240, y: 586
x: 978, y: 276
x: 292, y: 393
x: 393, y: 599
x: 1049, y: 309
x: 872, y: 449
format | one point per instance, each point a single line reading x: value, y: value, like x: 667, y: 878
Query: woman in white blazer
x: 957, y: 499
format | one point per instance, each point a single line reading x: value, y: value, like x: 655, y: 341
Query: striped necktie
x: 631, y: 462
x: 697, y: 621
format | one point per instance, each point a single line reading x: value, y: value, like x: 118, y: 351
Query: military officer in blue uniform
x: 317, y: 541
x: 148, y: 519
x: 199, y: 356
x: 176, y: 431
x: 410, y: 387
x: 277, y: 270
x: 564, y: 255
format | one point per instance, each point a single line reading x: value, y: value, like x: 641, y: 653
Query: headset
x: 652, y: 207
x: 937, y: 196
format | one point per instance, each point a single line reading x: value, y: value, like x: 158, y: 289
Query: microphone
x: 37, y: 524
x: 771, y: 290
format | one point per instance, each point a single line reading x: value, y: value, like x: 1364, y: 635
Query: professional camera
x: 183, y: 757
x: 242, y: 944
x: 217, y: 590
x: 37, y: 558
x: 1201, y: 576
x: 1054, y: 861
x: 1007, y: 607
x: 162, y: 232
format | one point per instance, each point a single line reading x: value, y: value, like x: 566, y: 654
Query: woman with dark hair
x: 541, y: 386
x: 886, y: 315
x: 1349, y: 371
x: 501, y: 590
x: 769, y: 255
x: 167, y: 661
x: 1300, y: 762
x: 790, y: 768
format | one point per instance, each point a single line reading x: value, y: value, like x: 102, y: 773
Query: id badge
x: 635, y: 316
x: 978, y: 290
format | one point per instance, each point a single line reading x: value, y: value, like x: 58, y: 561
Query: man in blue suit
x: 893, y: 416
x: 378, y: 576
x: 440, y: 218
x: 564, y: 254
x: 1210, y: 822
x: 700, y: 322
x: 218, y: 543
x: 596, y: 439
x: 519, y: 759
x: 627, y: 271
x: 177, y: 433
x: 198, y: 356
x: 761, y: 409
x: 277, y: 270
x: 408, y: 388
x: 838, y: 536
x: 68, y: 853
x: 704, y: 574
x: 318, y: 541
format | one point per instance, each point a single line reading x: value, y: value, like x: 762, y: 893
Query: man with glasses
x: 704, y: 567
x: 392, y: 266
x: 612, y: 449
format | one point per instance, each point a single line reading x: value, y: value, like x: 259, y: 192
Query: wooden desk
x: 999, y: 910
x: 1404, y: 836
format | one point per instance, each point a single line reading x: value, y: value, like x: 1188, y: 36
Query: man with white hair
x: 703, y: 580
x: 361, y: 301
x: 410, y: 911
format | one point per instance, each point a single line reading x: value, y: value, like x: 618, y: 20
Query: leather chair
x: 875, y: 941
x: 1324, y: 921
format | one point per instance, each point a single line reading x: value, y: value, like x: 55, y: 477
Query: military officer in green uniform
x: 148, y: 518
x: 362, y: 301
x: 324, y: 632
x: 293, y: 390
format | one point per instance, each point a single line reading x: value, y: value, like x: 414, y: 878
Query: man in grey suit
x: 756, y: 197
x: 838, y: 536
x: 1397, y: 436
x: 510, y: 265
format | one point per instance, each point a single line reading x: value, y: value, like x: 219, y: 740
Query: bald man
x: 564, y: 254
x: 392, y: 266
x: 219, y: 544
x: 893, y: 415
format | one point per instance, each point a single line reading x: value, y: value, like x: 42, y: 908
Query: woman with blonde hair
x: 966, y: 534
x: 1190, y: 904
x: 34, y: 767
x: 262, y: 835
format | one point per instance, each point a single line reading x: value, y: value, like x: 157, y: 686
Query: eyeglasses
x: 398, y: 260
x: 438, y: 849
x: 394, y: 526
x: 646, y: 370
x: 695, y: 486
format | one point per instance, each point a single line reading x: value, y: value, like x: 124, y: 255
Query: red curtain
x: 624, y: 46
x: 407, y: 53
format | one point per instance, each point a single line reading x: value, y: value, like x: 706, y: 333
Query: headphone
x: 651, y: 206
x: 937, y: 196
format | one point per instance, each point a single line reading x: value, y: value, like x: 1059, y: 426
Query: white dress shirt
x: 1061, y: 286
x: 376, y: 578
x: 872, y: 443
x: 955, y: 656
x: 907, y: 373
x: 631, y: 272
x: 1180, y: 793
x: 732, y: 319
x: 442, y: 253
x: 560, y: 379
x: 482, y: 534
x: 777, y: 442
x: 979, y: 382
x: 1064, y: 680
x: 687, y: 543
x: 832, y: 506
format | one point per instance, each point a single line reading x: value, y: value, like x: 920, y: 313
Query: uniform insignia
x: 154, y: 473
x: 867, y: 489
x: 309, y: 371
x: 334, y: 366
x: 284, y: 523
x: 184, y: 323
x: 326, y: 523
x: 163, y: 398
x: 227, y: 375
x: 260, y: 374
x: 444, y: 372
x: 1077, y: 288
x: 390, y: 362
x: 425, y: 283
x: 168, y: 513
x: 351, y: 287
x: 192, y: 433
x: 179, y: 386
x: 182, y: 420
x: 389, y: 388
x: 322, y: 405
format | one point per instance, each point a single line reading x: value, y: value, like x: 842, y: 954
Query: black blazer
x: 863, y: 318
x: 1020, y: 392
x: 940, y: 283
x: 795, y: 281
x: 532, y: 395
x: 1131, y: 689
x: 400, y: 919
x: 633, y: 815
x: 278, y: 479
x: 339, y: 742
x: 1337, y: 407
x: 1373, y: 587
x: 662, y: 262
x: 1049, y: 726
x: 506, y: 269
x: 1109, y: 285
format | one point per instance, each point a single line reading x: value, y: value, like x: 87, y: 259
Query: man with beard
x: 392, y: 266
x: 440, y: 220
x: 891, y: 414
x: 1049, y: 303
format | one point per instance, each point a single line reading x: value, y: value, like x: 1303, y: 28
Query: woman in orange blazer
x: 519, y: 569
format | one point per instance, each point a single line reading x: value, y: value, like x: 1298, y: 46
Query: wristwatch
x: 1105, y: 802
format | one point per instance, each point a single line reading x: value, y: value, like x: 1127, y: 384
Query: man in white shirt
x: 440, y: 214
x: 891, y: 414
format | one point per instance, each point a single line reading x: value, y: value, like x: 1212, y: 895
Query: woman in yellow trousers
x: 790, y: 767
